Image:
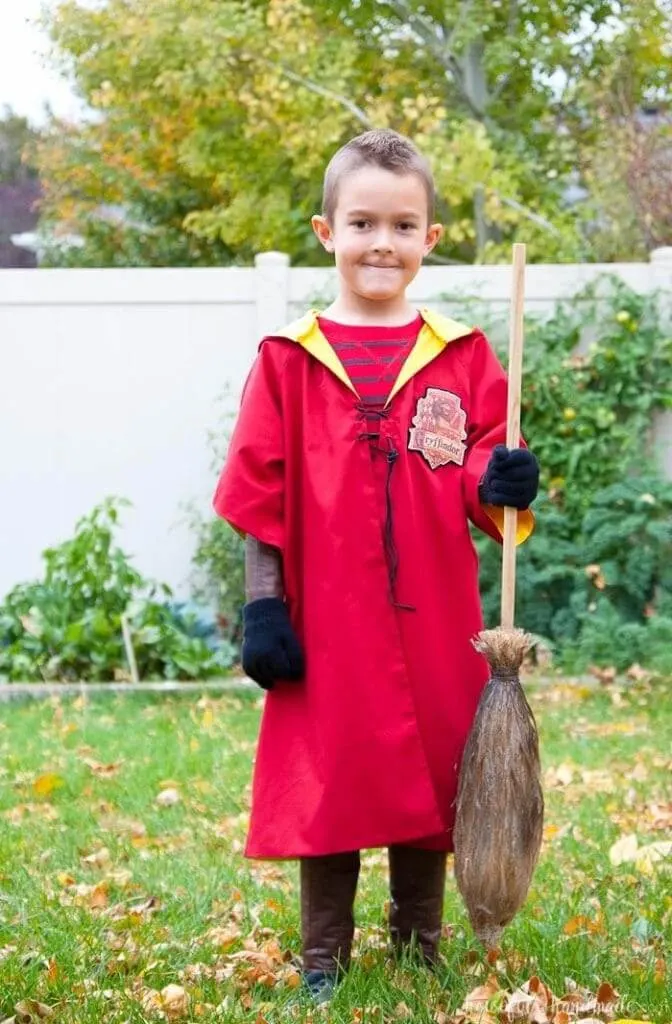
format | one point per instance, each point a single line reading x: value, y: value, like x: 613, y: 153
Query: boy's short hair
x: 381, y: 147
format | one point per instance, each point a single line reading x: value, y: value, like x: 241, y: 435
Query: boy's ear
x: 323, y: 231
x: 433, y: 237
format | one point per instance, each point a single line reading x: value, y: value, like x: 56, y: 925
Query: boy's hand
x: 271, y: 650
x: 511, y: 478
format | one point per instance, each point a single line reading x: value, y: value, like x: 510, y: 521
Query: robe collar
x: 436, y: 332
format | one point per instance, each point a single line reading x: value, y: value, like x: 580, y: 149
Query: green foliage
x: 219, y: 561
x: 158, y: 243
x: 16, y: 138
x: 218, y: 578
x: 68, y: 625
x: 596, y: 578
x: 591, y: 415
x: 214, y: 121
x: 602, y: 594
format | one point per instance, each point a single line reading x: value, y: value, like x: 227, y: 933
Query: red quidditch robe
x: 365, y: 751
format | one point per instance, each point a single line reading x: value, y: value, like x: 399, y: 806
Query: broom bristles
x: 504, y: 649
x: 499, y: 818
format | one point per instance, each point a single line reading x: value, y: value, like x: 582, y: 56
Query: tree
x: 215, y: 118
x: 533, y: 73
x: 19, y: 189
x: 16, y: 136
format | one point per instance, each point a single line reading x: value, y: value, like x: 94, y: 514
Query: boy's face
x: 380, y: 232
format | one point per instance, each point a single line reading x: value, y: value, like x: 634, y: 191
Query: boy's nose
x: 382, y: 243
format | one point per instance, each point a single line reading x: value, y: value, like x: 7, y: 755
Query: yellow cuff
x: 525, y: 521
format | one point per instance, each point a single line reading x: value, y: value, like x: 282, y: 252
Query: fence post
x: 661, y: 265
x: 272, y: 276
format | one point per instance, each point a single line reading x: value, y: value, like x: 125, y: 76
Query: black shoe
x: 320, y: 984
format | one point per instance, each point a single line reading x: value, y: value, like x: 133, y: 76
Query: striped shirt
x: 372, y: 356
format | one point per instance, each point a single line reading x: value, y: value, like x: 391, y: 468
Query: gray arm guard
x: 263, y: 570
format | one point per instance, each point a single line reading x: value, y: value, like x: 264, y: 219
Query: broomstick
x: 500, y: 805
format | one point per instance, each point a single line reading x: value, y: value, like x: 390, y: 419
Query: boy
x: 367, y: 436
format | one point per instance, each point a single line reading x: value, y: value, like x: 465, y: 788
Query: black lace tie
x: 387, y: 448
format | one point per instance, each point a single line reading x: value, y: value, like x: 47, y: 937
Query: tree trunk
x: 475, y: 84
x: 480, y: 222
x: 476, y: 89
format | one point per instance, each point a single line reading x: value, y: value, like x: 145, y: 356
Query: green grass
x: 173, y: 891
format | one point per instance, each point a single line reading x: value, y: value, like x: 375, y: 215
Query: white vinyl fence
x: 111, y: 380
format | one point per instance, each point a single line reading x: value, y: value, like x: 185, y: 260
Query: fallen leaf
x: 563, y: 775
x: 519, y: 1004
x: 98, y: 898
x: 578, y: 1003
x: 29, y: 1010
x: 174, y: 1001
x: 637, y: 673
x: 605, y: 675
x: 654, y: 853
x: 226, y: 937
x: 479, y: 997
x: 123, y: 826
x: 576, y: 924
x: 47, y: 783
x: 151, y: 1000
x: 102, y: 771
x: 168, y: 798
x: 99, y: 858
x: 94, y: 897
x: 606, y: 994
x: 623, y: 850
x: 660, y: 816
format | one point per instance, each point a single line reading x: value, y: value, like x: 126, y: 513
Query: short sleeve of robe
x: 250, y: 492
x: 487, y: 428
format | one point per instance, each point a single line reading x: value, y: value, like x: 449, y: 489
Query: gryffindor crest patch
x: 438, y: 428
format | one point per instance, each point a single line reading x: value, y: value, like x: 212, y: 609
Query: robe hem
x: 396, y: 840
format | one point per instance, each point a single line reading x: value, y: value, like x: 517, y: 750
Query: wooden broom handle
x: 513, y: 429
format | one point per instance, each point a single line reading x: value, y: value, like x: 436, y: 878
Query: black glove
x: 511, y: 478
x: 271, y: 650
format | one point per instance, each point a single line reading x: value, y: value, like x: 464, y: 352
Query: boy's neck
x: 355, y: 311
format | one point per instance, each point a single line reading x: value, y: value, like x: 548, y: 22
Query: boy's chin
x: 380, y: 294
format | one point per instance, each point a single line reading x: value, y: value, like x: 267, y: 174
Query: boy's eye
x: 360, y: 223
x: 407, y: 226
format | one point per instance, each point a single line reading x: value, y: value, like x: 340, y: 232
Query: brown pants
x: 328, y: 887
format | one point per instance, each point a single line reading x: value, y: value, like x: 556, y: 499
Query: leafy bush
x: 601, y: 595
x: 590, y: 414
x: 596, y: 578
x: 219, y: 577
x: 68, y: 625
